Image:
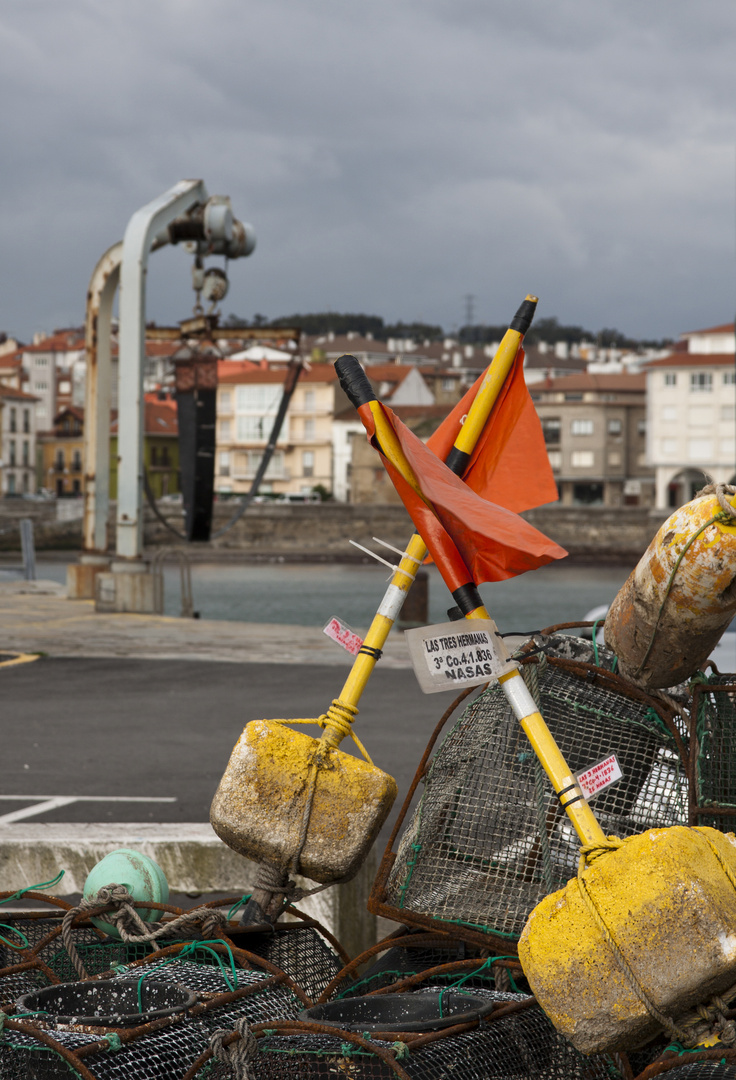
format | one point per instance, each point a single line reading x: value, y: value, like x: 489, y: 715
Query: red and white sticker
x: 343, y: 635
x: 599, y: 776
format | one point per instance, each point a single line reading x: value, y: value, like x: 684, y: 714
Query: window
x: 307, y: 463
x: 12, y: 420
x: 701, y: 382
x: 582, y: 459
x: 248, y: 463
x: 669, y: 378
x: 700, y: 450
x: 728, y: 413
x: 614, y: 457
x: 224, y: 464
x: 668, y: 447
x: 26, y: 421
x: 41, y: 361
x: 309, y: 429
x: 309, y: 400
x: 669, y: 414
x: 448, y: 385
x: 226, y: 430
x: 555, y: 459
x: 26, y: 484
x: 76, y: 488
x: 12, y: 452
x: 729, y: 378
x: 615, y: 427
x: 26, y: 458
x: 41, y: 386
x: 552, y: 428
x: 573, y: 397
x: 154, y: 457
x: 641, y: 427
x: 11, y: 483
x: 252, y: 428
x: 261, y: 398
x: 59, y: 460
x: 40, y: 412
x: 581, y: 427
x: 226, y: 401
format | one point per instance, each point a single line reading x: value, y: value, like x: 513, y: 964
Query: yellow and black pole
x: 465, y: 593
x: 345, y: 707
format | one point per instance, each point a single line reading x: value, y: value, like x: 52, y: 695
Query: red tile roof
x: 160, y: 417
x: 725, y: 328
x: 687, y: 359
x: 610, y: 384
x: 17, y: 395
x: 244, y: 371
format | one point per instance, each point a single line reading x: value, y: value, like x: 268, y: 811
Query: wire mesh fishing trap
x: 713, y: 753
x: 514, y: 1040
x: 488, y: 838
x: 231, y: 977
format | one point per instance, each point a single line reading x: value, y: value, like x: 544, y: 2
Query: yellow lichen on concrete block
x: 259, y: 806
x: 668, y: 904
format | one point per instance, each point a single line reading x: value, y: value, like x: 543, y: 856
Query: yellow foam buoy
x: 646, y: 932
x: 672, y: 610
x: 289, y: 800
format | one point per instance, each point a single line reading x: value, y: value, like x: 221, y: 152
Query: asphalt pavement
x: 116, y: 728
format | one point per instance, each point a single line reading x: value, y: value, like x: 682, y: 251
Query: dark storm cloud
x: 392, y: 156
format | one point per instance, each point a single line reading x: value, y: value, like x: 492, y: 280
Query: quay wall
x: 322, y: 531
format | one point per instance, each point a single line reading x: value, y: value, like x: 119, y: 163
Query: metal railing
x: 185, y: 580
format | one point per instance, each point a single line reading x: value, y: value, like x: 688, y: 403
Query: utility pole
x: 469, y: 308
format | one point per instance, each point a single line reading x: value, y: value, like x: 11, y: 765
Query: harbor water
x: 310, y: 594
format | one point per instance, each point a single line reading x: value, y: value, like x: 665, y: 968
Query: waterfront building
x: 17, y: 441
x: 248, y: 398
x: 61, y: 453
x: 691, y: 414
x: 595, y: 430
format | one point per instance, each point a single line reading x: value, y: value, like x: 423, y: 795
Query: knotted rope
x: 720, y: 491
x: 130, y: 926
x: 239, y: 1053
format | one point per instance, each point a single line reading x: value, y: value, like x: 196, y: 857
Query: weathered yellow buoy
x: 676, y: 604
x: 642, y: 935
x: 291, y: 801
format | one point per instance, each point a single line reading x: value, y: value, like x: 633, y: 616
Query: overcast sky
x: 392, y: 155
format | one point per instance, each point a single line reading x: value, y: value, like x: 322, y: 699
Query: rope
x: 130, y: 926
x: 720, y: 491
x: 238, y: 1054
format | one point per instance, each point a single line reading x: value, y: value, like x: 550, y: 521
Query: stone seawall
x: 322, y: 531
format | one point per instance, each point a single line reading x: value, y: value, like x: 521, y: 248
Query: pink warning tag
x: 599, y: 776
x: 343, y: 635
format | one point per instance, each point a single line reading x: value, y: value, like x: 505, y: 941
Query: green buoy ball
x: 142, y: 877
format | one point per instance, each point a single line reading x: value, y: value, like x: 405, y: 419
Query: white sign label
x: 599, y: 776
x: 343, y: 635
x: 450, y: 656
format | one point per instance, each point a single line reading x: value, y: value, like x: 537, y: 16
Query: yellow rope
x: 337, y: 724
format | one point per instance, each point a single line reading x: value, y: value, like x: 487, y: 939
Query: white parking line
x: 43, y: 803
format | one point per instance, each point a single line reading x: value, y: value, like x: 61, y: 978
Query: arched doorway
x: 684, y: 486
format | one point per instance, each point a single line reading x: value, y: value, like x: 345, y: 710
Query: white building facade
x: 691, y: 415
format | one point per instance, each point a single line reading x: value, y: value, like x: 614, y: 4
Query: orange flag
x: 509, y: 465
x: 463, y: 532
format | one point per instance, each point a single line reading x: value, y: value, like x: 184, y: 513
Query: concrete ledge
x: 193, y: 858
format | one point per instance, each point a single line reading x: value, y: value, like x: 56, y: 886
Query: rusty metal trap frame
x: 514, y: 1040
x: 488, y: 839
x: 32, y: 953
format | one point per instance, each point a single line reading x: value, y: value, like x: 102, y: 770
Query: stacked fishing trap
x: 488, y: 838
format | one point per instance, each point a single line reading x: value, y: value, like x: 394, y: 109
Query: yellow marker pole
x: 416, y: 550
x: 517, y: 694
